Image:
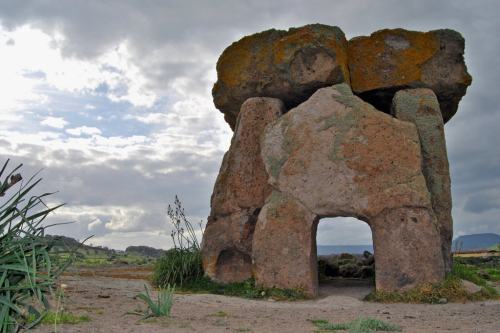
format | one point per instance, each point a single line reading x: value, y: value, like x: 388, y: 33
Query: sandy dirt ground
x: 107, y: 298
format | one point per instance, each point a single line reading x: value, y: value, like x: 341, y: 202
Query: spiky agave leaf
x: 27, y: 271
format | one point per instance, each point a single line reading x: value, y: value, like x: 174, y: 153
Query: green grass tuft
x: 361, y: 325
x: 246, y: 289
x: 163, y: 304
x: 52, y: 318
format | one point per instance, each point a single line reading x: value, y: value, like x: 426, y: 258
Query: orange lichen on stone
x: 389, y: 58
x: 248, y: 51
x: 288, y: 65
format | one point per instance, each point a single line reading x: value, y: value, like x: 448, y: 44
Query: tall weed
x: 182, y: 263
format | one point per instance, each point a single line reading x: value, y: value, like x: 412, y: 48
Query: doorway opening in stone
x: 345, y: 257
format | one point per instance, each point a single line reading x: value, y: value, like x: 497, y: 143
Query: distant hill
x: 145, y: 251
x: 63, y: 243
x: 337, y: 249
x: 476, y: 242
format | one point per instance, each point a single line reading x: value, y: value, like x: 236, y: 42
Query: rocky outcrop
x: 334, y: 155
x: 364, y: 138
x: 390, y: 60
x: 240, y: 191
x: 346, y: 265
x: 289, y: 65
x: 421, y: 107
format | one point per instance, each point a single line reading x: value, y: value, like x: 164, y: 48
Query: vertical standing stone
x: 406, y: 242
x: 284, y: 252
x: 421, y: 107
x: 239, y: 193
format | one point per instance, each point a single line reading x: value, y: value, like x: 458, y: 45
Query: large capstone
x: 289, y: 65
x: 391, y: 60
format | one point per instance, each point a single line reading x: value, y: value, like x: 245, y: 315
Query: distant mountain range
x: 475, y: 242
x: 337, y: 249
x: 462, y: 243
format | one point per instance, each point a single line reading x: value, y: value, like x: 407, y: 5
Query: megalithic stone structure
x: 326, y: 127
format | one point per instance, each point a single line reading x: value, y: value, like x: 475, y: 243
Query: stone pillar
x: 284, y: 246
x: 406, y: 254
x: 421, y: 107
x: 240, y: 191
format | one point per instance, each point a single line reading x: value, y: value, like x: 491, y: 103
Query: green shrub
x: 177, y: 266
x: 27, y: 267
x: 182, y: 263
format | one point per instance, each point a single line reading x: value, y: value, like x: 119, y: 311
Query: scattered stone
x: 289, y: 65
x: 390, y: 60
x: 470, y: 287
x: 347, y: 256
x: 484, y: 274
x: 442, y: 301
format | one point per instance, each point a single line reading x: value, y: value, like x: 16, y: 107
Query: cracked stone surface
x: 421, y: 107
x: 289, y: 65
x: 393, y: 59
x: 335, y: 155
x: 363, y: 137
x: 240, y: 191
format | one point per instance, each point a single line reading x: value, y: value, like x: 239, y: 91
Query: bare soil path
x: 106, y: 300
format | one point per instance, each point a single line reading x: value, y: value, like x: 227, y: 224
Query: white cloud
x: 171, y: 140
x: 83, y: 130
x: 25, y: 72
x: 94, y: 224
x: 55, y: 122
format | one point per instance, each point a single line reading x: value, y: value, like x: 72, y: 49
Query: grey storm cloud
x: 172, y: 40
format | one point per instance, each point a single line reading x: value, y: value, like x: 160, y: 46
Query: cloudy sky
x: 112, y: 99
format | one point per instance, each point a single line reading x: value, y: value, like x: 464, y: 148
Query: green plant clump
x: 63, y: 317
x: 450, y: 289
x: 28, y: 269
x: 163, y: 304
x: 361, y: 325
x: 181, y: 264
x: 246, y: 289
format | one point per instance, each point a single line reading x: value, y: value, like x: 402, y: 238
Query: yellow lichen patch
x: 247, y: 52
x: 375, y: 63
x: 284, y: 49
